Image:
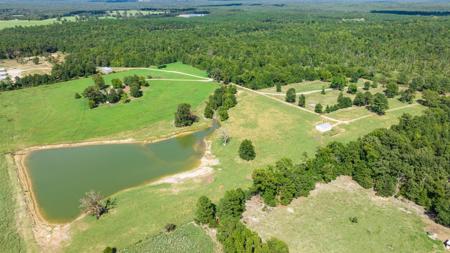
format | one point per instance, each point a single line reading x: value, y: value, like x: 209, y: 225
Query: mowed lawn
x: 321, y: 222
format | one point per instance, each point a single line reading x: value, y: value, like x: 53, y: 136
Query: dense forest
x: 254, y: 49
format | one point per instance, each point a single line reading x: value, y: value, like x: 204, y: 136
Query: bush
x: 366, y: 85
x: 277, y: 246
x: 246, y: 150
x: 77, y: 95
x: 209, y: 112
x: 278, y: 87
x: 301, y: 100
x: 353, y: 219
x: 170, y: 227
x: 110, y: 250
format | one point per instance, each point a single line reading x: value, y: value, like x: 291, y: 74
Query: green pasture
x: 50, y: 114
x: 321, y: 223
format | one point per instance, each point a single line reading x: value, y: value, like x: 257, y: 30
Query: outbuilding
x: 106, y: 70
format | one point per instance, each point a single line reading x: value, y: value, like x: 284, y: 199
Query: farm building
x: 3, y: 74
x: 106, y: 70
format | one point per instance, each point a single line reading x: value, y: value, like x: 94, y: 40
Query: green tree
x: 301, y: 100
x: 117, y: 83
x: 246, y: 150
x: 352, y: 88
x: 366, y: 85
x: 99, y: 81
x: 430, y: 98
x: 344, y: 102
x: 183, y: 116
x: 290, y: 95
x: 231, y: 205
x: 391, y: 90
x: 407, y: 96
x: 359, y: 99
x: 209, y: 112
x: 135, y: 91
x: 323, y: 90
x: 223, y: 113
x: 318, y: 108
x: 206, y: 211
x: 112, y: 96
x: 338, y: 82
x: 379, y: 104
x: 278, y: 87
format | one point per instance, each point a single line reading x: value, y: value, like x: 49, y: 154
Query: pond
x: 61, y: 176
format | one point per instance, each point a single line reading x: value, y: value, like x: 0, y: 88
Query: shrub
x: 110, y: 250
x: 232, y: 205
x: 278, y: 87
x: 277, y: 246
x: 170, y: 227
x: 353, y: 219
x: 302, y: 100
x: 77, y: 95
x: 246, y: 150
x: 290, y: 95
x: 366, y: 85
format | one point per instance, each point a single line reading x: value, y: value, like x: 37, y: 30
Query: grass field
x: 321, y: 222
x: 177, y: 241
x: 16, y: 22
x: 50, y: 114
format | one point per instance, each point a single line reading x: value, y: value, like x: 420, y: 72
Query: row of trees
x: 412, y: 159
x: 70, y: 69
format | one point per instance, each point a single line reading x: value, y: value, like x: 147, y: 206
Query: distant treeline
x: 413, y: 13
x: 254, y: 49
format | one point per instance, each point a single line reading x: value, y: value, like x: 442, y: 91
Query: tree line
x: 254, y: 49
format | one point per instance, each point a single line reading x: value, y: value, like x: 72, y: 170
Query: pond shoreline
x: 51, y: 235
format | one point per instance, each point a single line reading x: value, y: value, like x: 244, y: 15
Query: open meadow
x: 321, y: 222
x: 50, y: 114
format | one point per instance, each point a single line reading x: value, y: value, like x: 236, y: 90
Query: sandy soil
x: 51, y: 237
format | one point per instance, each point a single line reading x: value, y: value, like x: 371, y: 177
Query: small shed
x: 324, y: 127
x: 106, y: 70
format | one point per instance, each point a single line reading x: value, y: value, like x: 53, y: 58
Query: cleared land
x: 16, y: 22
x: 50, y: 114
x: 321, y: 222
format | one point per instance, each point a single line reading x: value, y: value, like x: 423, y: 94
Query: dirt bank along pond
x: 59, y: 177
